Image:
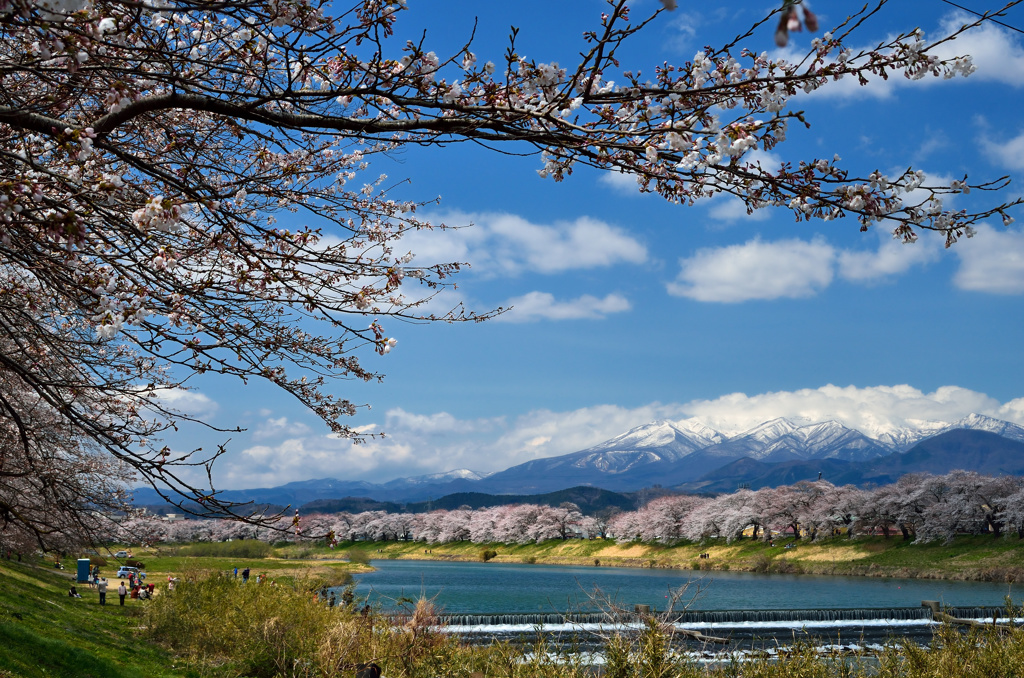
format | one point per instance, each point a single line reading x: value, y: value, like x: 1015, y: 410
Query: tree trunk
x: 993, y: 524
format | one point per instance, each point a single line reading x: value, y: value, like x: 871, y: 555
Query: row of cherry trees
x: 923, y: 507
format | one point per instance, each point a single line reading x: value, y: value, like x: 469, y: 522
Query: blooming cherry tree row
x: 919, y: 507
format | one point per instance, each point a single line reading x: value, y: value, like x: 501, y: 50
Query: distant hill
x: 591, y: 500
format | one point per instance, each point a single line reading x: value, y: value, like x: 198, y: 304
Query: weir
x: 717, y: 616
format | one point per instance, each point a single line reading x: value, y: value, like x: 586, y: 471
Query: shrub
x: 281, y: 630
x: 358, y: 556
x: 530, y: 560
x: 487, y: 554
x: 597, y: 562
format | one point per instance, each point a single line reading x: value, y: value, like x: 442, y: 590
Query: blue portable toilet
x: 84, y: 566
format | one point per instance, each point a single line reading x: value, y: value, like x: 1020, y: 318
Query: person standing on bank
x: 101, y: 586
x: 122, y: 591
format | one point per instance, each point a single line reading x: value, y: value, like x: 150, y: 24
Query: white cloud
x: 875, y: 408
x: 997, y: 56
x: 417, y: 444
x: 543, y: 306
x: 502, y: 244
x: 992, y: 261
x: 437, y: 423
x: 996, y: 53
x: 756, y: 270
x: 1005, y: 152
x: 275, y: 427
x: 891, y: 258
x: 729, y: 208
x: 188, y: 402
x: 621, y: 182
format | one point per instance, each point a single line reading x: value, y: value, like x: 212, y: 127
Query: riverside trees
x: 185, y: 190
x: 923, y: 507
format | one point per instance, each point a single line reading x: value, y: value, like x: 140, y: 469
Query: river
x: 502, y: 587
x: 483, y: 601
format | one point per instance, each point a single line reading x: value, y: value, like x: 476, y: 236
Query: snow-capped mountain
x: 670, y: 453
x: 662, y: 440
x: 902, y: 439
x: 980, y: 422
x: 827, y: 440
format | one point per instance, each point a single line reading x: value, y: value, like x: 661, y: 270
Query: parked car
x: 124, y: 571
x: 121, y: 554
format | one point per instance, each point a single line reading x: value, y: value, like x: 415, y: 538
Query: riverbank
x: 969, y: 558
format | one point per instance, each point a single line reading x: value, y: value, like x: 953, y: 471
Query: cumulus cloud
x: 621, y: 182
x: 996, y: 53
x: 502, y: 244
x: 1004, y: 152
x: 756, y: 270
x: 992, y: 261
x: 421, y: 443
x: 189, y: 402
x: 891, y: 258
x: 536, y: 306
x: 275, y: 427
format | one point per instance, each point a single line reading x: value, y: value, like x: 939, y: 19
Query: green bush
x: 265, y: 631
x: 487, y: 554
x: 360, y: 556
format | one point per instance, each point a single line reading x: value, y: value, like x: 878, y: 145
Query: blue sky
x: 628, y: 309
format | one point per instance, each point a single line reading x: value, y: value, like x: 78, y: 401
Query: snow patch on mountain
x: 671, y: 441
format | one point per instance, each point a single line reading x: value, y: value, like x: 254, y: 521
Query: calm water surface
x: 499, y: 587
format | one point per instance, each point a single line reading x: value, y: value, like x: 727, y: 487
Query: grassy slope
x: 980, y: 558
x: 43, y: 632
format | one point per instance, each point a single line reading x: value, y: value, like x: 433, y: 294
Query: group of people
x: 134, y: 588
x: 260, y: 578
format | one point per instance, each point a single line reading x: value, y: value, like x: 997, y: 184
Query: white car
x: 124, y: 571
x: 121, y: 554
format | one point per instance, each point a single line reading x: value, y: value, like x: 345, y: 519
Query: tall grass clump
x: 240, y: 548
x: 359, y: 556
x: 224, y: 627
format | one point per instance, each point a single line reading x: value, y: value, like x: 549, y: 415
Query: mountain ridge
x: 665, y: 453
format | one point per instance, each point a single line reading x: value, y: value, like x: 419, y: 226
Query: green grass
x: 43, y: 632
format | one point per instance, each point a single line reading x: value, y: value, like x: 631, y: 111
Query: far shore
x: 967, y: 558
